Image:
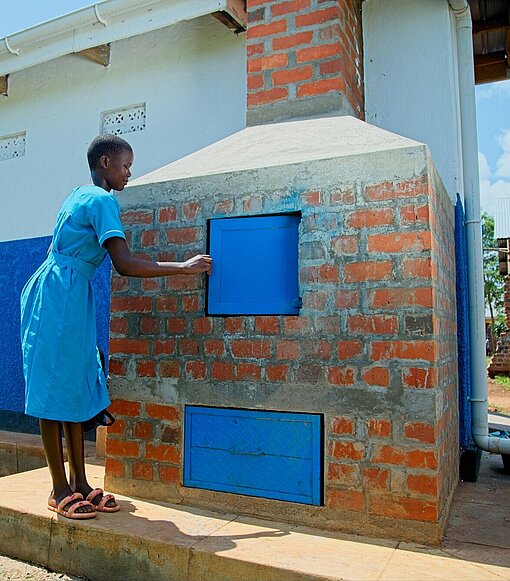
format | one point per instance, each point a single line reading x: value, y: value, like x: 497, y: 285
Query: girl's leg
x: 76, y: 454
x: 52, y: 443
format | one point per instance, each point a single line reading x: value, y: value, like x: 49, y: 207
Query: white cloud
x: 500, y: 89
x: 489, y: 192
x: 497, y: 185
x: 483, y: 165
x: 503, y: 163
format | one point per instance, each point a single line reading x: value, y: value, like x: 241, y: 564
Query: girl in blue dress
x: 65, y: 384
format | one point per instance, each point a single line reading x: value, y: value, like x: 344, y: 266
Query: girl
x: 65, y: 384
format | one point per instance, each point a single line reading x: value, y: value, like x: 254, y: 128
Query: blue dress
x: 63, y: 376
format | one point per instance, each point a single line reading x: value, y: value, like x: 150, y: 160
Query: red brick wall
x: 500, y: 362
x: 446, y: 429
x: 374, y: 350
x: 300, y: 52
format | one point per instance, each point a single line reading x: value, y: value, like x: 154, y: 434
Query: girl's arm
x: 128, y: 265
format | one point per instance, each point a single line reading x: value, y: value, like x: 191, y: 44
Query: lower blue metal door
x: 269, y: 454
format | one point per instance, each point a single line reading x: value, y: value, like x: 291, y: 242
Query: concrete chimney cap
x: 279, y: 144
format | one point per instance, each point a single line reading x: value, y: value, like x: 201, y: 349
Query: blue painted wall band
x: 19, y: 259
x: 464, y: 356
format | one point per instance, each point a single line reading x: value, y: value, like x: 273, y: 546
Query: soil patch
x: 499, y: 397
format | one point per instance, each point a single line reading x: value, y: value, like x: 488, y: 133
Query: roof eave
x: 101, y: 23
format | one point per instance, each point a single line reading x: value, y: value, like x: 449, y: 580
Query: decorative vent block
x: 126, y: 120
x: 268, y: 454
x: 12, y: 146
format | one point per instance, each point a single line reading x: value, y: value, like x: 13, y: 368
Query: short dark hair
x: 106, y: 144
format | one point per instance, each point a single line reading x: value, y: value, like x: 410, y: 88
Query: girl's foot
x: 102, y: 502
x: 71, y: 505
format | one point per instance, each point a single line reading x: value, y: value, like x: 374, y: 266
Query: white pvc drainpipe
x: 479, y: 392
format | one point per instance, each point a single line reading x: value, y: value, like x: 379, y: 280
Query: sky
x: 493, y: 120
x: 493, y: 100
x: 15, y: 15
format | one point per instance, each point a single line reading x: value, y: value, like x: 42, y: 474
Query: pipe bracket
x: 9, y: 48
x: 459, y: 10
x: 100, y: 19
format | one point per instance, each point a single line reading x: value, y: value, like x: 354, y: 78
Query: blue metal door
x: 255, y: 266
x: 259, y: 453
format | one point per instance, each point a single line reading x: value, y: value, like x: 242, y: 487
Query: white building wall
x: 191, y: 77
x: 411, y: 82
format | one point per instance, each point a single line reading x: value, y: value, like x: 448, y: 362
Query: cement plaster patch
x: 295, y: 397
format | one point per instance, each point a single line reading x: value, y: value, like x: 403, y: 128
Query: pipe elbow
x: 459, y: 6
x: 492, y: 444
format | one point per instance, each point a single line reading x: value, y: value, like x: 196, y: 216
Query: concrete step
x: 21, y: 452
x: 499, y: 421
x: 149, y: 541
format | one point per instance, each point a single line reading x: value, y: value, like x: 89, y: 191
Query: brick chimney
x: 304, y: 59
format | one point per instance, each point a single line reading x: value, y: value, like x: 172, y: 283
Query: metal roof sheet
x: 502, y: 218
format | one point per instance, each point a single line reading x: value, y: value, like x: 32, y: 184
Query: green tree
x: 493, y: 281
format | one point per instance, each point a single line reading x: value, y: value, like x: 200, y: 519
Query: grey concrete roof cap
x: 280, y: 144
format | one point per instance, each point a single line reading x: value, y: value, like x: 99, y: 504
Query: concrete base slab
x: 297, y: 550
x: 480, y: 513
x: 415, y: 562
x: 159, y: 541
x: 478, y: 527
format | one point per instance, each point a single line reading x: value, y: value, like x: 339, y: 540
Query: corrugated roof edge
x: 502, y: 218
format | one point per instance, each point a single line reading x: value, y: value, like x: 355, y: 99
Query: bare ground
x: 14, y: 570
x: 499, y: 397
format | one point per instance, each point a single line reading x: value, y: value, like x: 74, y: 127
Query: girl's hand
x: 128, y: 265
x: 197, y: 264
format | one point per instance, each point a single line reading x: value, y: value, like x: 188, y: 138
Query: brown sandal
x: 101, y: 505
x: 77, y: 499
